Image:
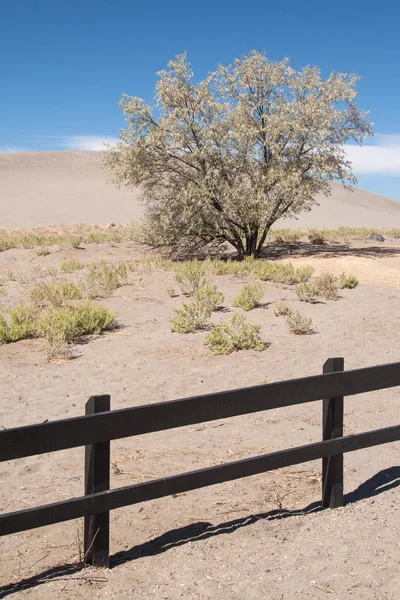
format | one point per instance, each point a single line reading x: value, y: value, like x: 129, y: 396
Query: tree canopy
x: 221, y: 160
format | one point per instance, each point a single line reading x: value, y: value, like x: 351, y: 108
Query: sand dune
x: 52, y: 188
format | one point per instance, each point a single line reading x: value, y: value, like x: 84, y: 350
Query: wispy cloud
x: 62, y: 142
x: 382, y: 158
x: 85, y: 142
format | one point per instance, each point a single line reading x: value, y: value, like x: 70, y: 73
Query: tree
x: 223, y: 159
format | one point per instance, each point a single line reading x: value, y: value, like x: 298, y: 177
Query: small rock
x: 377, y: 237
x: 397, y: 236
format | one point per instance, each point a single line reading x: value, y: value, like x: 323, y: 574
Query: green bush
x: 209, y: 296
x: 286, y: 273
x: 235, y: 334
x: 189, y: 276
x: 249, y: 297
x: 61, y: 326
x: 55, y: 294
x: 348, y: 281
x: 191, y: 317
x: 17, y: 323
x: 70, y: 265
x: 327, y: 286
x: 298, y: 324
x: 281, y: 309
x: 306, y: 292
x: 304, y: 273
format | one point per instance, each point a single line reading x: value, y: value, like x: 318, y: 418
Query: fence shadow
x: 379, y: 483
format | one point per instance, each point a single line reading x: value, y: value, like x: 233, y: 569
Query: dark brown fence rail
x: 100, y: 425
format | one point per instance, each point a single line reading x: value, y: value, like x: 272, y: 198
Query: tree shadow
x: 379, y: 483
x: 328, y: 250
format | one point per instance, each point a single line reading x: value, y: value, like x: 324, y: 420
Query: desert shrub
x: 104, y: 277
x: 45, y: 272
x: 55, y: 293
x: 327, y: 286
x: 298, y: 324
x: 191, y: 317
x: 316, y: 237
x: 17, y: 323
x: 61, y: 326
x: 249, y: 297
x: 265, y: 270
x: 281, y: 309
x: 3, y: 290
x: 287, y: 236
x: 189, y: 276
x: 306, y: 292
x: 209, y: 296
x: 234, y: 334
x: 70, y: 265
x: 42, y: 252
x: 304, y: 273
x: 348, y: 281
x: 170, y: 291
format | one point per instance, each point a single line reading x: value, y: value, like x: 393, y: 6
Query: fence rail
x: 99, y: 426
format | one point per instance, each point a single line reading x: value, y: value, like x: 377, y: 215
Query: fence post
x: 332, y: 427
x: 97, y: 479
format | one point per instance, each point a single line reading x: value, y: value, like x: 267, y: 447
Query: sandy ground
x: 52, y: 188
x: 261, y: 537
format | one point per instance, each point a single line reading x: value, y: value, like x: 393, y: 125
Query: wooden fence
x: 100, y: 425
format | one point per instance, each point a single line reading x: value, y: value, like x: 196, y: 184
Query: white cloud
x: 382, y: 158
x: 85, y: 142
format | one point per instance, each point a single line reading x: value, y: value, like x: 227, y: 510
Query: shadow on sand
x: 378, y: 484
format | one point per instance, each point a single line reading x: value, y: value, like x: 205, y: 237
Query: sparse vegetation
x: 191, y: 317
x: 71, y: 265
x: 104, y: 277
x: 348, y: 281
x: 62, y: 326
x: 209, y: 296
x: 170, y: 291
x: 327, y: 286
x: 283, y: 273
x: 42, y: 252
x: 234, y: 334
x: 55, y: 293
x: 189, y: 276
x: 249, y: 297
x: 281, y: 309
x: 298, y: 324
x: 316, y: 237
x: 306, y: 292
x: 18, y: 323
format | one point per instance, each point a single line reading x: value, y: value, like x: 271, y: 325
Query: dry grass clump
x: 316, y: 237
x: 298, y: 324
x: 104, y: 277
x: 209, y: 296
x: 327, y: 286
x: 191, y: 317
x: 62, y: 326
x: 283, y: 273
x: 348, y: 281
x: 306, y: 292
x: 170, y: 291
x: 286, y: 236
x: 18, y: 323
x: 66, y: 236
x: 71, y: 265
x: 189, y: 276
x: 55, y: 293
x: 234, y: 334
x: 45, y: 272
x: 43, y: 252
x: 249, y: 297
x: 281, y: 309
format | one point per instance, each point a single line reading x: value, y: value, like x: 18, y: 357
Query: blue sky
x: 65, y: 63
